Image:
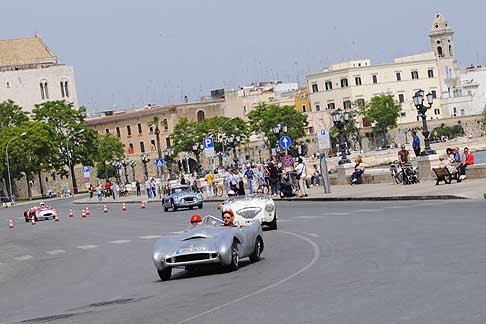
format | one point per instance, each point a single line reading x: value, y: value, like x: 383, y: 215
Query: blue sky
x: 148, y: 51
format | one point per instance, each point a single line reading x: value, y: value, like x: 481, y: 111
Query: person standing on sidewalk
x: 301, y: 170
x: 153, y: 186
x: 99, y: 192
x: 251, y: 179
x: 148, y: 188
x: 416, y: 143
x: 210, y: 181
x: 137, y: 185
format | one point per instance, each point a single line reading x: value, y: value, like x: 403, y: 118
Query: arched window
x: 200, y: 116
x: 439, y: 51
x: 450, y: 50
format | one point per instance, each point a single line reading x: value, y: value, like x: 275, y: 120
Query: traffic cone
x: 105, y: 209
x: 87, y: 211
x: 142, y: 205
x: 70, y: 212
x: 33, y: 220
x: 56, y: 218
x: 11, y: 223
x: 83, y: 213
x: 124, y: 207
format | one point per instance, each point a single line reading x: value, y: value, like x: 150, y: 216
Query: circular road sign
x: 288, y: 160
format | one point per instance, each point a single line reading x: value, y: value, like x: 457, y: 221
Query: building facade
x: 30, y: 73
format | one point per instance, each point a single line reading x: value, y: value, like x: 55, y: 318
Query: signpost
x: 288, y: 160
x: 285, y: 142
x: 208, y: 144
x: 86, y: 176
x: 159, y: 163
x: 323, y: 139
x: 324, y: 142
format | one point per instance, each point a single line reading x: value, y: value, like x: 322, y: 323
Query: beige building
x: 30, y: 73
x: 343, y: 84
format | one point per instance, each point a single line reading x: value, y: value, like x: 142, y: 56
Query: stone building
x: 30, y: 73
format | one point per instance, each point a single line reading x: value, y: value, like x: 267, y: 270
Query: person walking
x: 148, y: 188
x: 251, y: 179
x: 301, y: 170
x: 416, y: 143
x: 91, y: 191
x: 114, y: 190
x: 210, y: 182
x: 273, y: 177
x: 99, y: 192
x: 153, y: 186
x: 137, y: 185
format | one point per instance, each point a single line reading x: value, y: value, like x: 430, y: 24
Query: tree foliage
x: 11, y: 114
x: 449, y: 132
x: 351, y: 132
x: 383, y: 112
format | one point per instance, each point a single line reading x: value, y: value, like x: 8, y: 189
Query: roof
x: 24, y: 51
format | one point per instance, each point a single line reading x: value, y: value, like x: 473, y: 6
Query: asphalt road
x: 341, y: 262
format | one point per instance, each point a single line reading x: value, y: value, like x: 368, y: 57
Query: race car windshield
x: 183, y: 189
x: 212, y: 221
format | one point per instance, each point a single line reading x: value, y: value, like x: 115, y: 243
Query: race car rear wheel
x: 235, y: 258
x: 273, y: 224
x: 165, y: 274
x: 255, y: 256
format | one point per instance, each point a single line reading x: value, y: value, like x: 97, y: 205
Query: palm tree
x: 155, y: 122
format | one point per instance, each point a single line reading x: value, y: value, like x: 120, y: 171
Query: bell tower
x: 442, y: 37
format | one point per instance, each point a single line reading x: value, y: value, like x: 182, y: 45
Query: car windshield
x: 212, y: 221
x: 180, y: 189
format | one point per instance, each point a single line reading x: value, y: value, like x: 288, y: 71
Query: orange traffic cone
x: 11, y: 223
x: 142, y: 205
x: 70, y: 212
x: 105, y: 209
x: 124, y: 207
x: 87, y: 211
x: 33, y: 220
x: 83, y: 213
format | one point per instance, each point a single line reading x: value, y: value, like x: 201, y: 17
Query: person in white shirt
x: 301, y: 171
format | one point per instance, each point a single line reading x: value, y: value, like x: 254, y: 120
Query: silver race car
x: 209, y: 243
x: 182, y: 196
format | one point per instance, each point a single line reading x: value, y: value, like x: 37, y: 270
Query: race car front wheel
x: 165, y: 274
x: 235, y: 258
x: 255, y: 256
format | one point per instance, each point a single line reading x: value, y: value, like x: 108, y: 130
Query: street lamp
x: 145, y: 158
x: 70, y: 159
x: 234, y: 141
x: 197, y: 150
x: 340, y: 119
x: 418, y: 101
x: 125, y: 162
x: 117, y: 165
x: 168, y: 157
x: 133, y: 164
x: 8, y: 165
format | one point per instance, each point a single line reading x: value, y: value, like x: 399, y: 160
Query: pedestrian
x: 153, y: 186
x: 148, y: 187
x: 416, y: 143
x: 358, y: 171
x: 99, y: 192
x: 273, y: 177
x: 403, y: 155
x: 467, y: 159
x: 137, y: 185
x: 301, y: 170
x: 234, y: 180
x: 65, y: 191
x: 226, y: 179
x: 210, y: 188
x: 91, y: 191
x: 251, y: 179
x: 315, y: 178
x: 183, y: 180
x: 241, y: 184
x: 114, y: 190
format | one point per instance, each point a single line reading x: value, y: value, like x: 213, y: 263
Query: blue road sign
x: 208, y: 142
x: 159, y: 163
x: 85, y: 168
x: 285, y: 142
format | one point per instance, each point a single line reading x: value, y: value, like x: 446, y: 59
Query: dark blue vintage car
x: 182, y: 196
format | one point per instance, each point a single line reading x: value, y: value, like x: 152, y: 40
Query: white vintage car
x: 253, y: 207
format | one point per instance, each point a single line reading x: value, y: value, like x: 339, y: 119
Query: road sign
x: 323, y: 139
x: 159, y: 162
x: 85, y: 168
x: 208, y: 142
x: 209, y: 152
x: 285, y: 142
x: 288, y: 160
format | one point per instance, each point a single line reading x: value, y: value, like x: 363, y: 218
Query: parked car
x: 181, y: 196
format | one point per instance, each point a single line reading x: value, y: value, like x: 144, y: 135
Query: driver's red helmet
x: 196, y: 219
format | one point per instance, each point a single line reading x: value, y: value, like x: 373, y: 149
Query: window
x: 463, y: 112
x: 46, y: 90
x: 344, y: 83
x: 167, y: 142
x: 130, y: 148
x: 200, y: 116
x: 318, y: 106
x: 347, y: 104
x: 129, y: 130
x: 139, y: 126
x: 62, y: 89
x: 152, y: 145
x: 166, y: 124
x: 42, y: 91
x: 399, y: 76
x: 331, y: 106
x: 310, y: 130
x: 430, y: 73
x: 403, y: 114
x: 66, y: 89
x: 304, y: 108
x: 415, y: 75
x: 375, y: 78
x: 328, y: 85
x: 315, y: 88
x: 437, y: 111
x: 357, y: 80
x: 454, y: 111
x: 360, y: 102
x: 401, y: 98
x: 118, y: 131
x: 8, y: 85
x: 439, y: 51
x: 107, y: 131
x: 151, y: 129
x: 142, y: 147
x: 434, y: 94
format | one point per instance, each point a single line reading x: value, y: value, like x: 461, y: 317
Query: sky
x: 133, y: 53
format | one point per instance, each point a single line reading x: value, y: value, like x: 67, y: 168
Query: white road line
x: 180, y: 232
x: 313, y: 234
x: 150, y: 237
x: 120, y: 241
x: 23, y: 257
x: 368, y: 210
x: 306, y: 217
x: 397, y: 207
x: 54, y: 252
x: 284, y: 220
x: 337, y: 214
x: 87, y: 247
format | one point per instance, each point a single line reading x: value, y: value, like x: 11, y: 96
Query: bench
x: 443, y: 174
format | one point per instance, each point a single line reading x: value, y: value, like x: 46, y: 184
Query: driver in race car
x: 228, y: 218
x: 196, y: 220
x: 42, y: 204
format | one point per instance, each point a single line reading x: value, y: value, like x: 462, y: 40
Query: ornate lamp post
x: 197, y: 150
x: 125, y: 162
x: 133, y: 164
x: 234, y: 141
x: 145, y: 158
x: 340, y: 119
x: 117, y: 165
x: 418, y: 101
x: 168, y: 156
x: 277, y: 130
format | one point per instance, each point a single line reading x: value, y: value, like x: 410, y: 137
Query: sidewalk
x: 468, y: 189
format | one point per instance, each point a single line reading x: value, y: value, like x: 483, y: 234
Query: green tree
x: 11, y: 114
x: 383, y: 112
x: 264, y: 118
x: 109, y: 148
x: 351, y: 132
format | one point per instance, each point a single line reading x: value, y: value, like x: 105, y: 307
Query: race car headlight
x: 249, y: 212
x: 176, y: 198
x: 269, y: 208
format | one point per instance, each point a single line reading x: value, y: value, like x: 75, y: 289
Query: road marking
x: 150, y: 237
x: 317, y: 253
x: 120, y: 241
x: 397, y: 207
x: 284, y: 220
x: 337, y: 214
x: 368, y: 210
x: 54, y: 252
x: 313, y: 235
x: 87, y: 247
x: 23, y: 257
x: 179, y: 232
x: 306, y: 217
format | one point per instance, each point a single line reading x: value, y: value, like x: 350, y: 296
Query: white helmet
x: 42, y: 204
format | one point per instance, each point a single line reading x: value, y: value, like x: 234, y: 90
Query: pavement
x: 426, y: 190
x: 329, y: 262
